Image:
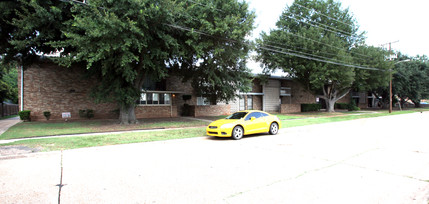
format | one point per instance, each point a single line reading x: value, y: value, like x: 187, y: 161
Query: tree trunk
x: 331, y: 95
x: 330, y: 105
x: 127, y: 115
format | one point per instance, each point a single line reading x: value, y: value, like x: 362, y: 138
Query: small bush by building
x: 25, y: 115
x: 310, y: 107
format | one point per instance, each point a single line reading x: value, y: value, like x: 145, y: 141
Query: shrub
x: 47, y: 115
x: 88, y: 113
x: 310, y: 107
x: 342, y: 106
x: 25, y: 115
x: 82, y: 113
x: 352, y: 106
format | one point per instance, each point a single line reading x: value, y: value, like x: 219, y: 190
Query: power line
x: 321, y: 60
x: 335, y: 47
x: 322, y: 14
x: 302, y: 48
x: 262, y: 47
x: 324, y: 26
x: 201, y: 4
x: 363, y: 55
x: 279, y: 51
x: 308, y: 54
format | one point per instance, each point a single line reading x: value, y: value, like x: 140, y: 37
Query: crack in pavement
x: 61, y: 185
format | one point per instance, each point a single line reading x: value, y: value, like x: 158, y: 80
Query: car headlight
x: 226, y: 126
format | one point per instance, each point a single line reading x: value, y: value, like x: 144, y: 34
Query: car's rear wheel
x: 274, y: 128
x: 237, y: 133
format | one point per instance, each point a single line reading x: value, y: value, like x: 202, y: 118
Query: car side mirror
x: 252, y: 118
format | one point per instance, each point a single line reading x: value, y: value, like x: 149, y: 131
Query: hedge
x: 342, y: 106
x: 310, y: 107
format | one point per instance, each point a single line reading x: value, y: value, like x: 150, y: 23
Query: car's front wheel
x: 274, y: 128
x: 237, y: 132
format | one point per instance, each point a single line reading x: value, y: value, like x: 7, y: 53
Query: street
x: 371, y: 161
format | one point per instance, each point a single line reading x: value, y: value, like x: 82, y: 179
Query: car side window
x: 263, y: 115
x: 254, y: 114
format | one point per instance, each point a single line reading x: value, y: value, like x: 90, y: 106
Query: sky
x: 405, y: 22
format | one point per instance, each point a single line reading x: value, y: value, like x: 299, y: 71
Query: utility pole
x: 390, y: 87
x: 390, y: 84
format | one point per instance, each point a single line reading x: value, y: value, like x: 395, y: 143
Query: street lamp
x: 390, y: 102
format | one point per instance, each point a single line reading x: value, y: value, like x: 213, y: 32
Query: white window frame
x: 203, y: 101
x: 155, y: 99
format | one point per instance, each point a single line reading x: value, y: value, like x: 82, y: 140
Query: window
x: 242, y: 105
x: 263, y: 114
x: 166, y: 98
x: 249, y: 103
x: 143, y: 98
x: 155, y: 99
x: 237, y: 115
x: 254, y: 114
x: 202, y: 101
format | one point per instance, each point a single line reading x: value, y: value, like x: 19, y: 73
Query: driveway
x: 377, y: 160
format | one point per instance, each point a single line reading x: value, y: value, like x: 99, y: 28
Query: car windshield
x: 237, y: 115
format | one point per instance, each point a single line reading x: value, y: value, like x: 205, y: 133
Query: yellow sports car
x: 244, y: 123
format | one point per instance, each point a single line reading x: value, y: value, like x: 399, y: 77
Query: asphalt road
x: 377, y: 160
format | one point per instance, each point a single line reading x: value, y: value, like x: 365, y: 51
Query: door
x: 257, y: 125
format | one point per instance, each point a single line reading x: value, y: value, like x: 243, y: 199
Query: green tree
x: 9, y: 86
x: 27, y: 26
x: 318, y: 44
x: 411, y: 79
x: 122, y: 42
x: 213, y: 56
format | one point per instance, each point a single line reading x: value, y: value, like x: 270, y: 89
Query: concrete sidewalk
x: 5, y: 124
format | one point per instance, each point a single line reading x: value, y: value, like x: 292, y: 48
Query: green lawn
x: 54, y: 128
x: 343, y: 117
x: 36, y: 129
x: 6, y: 117
x: 52, y: 144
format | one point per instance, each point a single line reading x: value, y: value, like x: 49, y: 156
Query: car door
x: 253, y: 126
x: 265, y: 122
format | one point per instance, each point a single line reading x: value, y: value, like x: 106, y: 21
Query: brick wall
x: 175, y: 83
x: 211, y: 110
x: 257, y: 102
x: 299, y: 94
x: 290, y: 108
x: 48, y: 87
x: 256, y: 86
x: 156, y: 111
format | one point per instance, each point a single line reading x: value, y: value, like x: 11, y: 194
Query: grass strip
x: 358, y: 115
x: 59, y: 143
x: 37, y: 129
x: 7, y: 117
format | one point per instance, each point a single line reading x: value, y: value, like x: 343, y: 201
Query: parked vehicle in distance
x: 244, y: 123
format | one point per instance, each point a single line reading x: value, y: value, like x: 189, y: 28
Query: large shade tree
x: 122, y: 42
x: 411, y: 79
x: 318, y: 44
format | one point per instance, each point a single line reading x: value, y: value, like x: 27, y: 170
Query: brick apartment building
x: 48, y: 87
